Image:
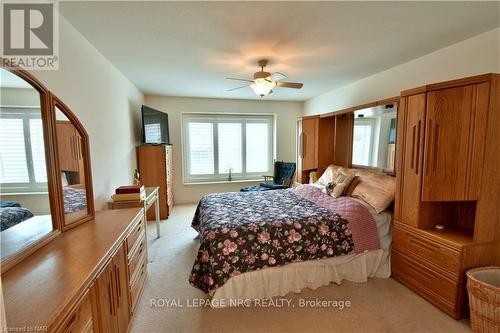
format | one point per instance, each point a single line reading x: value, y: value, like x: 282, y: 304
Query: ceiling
x: 189, y: 48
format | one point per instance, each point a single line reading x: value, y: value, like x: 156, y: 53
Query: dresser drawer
x: 427, y: 281
x: 413, y: 244
x: 136, y: 256
x: 135, y: 235
x: 137, y: 283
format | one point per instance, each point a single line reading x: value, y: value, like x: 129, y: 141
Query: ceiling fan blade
x: 233, y: 78
x: 276, y: 76
x: 294, y: 85
x: 247, y: 85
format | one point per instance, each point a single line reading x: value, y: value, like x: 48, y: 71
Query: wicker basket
x: 483, y: 285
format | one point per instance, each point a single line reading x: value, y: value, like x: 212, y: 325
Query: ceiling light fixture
x: 262, y: 87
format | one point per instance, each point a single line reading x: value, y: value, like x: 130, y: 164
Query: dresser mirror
x: 45, y: 179
x: 374, y: 137
x: 25, y: 207
x: 74, y: 166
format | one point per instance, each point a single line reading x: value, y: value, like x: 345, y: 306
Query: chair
x: 282, y: 178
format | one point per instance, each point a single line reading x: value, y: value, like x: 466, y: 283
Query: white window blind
x: 22, y: 151
x: 13, y: 164
x: 362, y: 142
x: 214, y: 144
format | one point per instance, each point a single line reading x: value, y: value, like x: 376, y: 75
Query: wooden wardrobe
x: 447, y: 167
x: 155, y: 169
x: 323, y: 140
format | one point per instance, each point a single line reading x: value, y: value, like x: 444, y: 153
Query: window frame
x: 215, y: 118
x: 365, y: 121
x: 28, y: 113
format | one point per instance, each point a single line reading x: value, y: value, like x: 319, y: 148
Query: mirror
x: 374, y: 137
x: 25, y: 209
x: 72, y: 153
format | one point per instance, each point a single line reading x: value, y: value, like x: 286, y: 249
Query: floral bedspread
x: 247, y: 231
x: 75, y: 199
x: 11, y: 216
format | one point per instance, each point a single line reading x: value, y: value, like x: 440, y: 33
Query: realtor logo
x: 29, y: 35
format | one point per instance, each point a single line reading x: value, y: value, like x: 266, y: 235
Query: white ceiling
x: 188, y: 48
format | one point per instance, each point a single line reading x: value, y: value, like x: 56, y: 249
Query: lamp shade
x: 262, y: 87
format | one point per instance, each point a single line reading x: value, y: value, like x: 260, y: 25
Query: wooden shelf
x: 451, y: 236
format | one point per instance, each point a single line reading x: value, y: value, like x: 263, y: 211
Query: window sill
x: 224, y: 182
x: 25, y: 193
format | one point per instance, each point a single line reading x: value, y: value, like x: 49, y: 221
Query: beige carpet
x: 381, y: 305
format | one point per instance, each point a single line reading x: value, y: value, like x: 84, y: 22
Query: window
x: 362, y: 142
x: 22, y: 152
x: 216, y: 144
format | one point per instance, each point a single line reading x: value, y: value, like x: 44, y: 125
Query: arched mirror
x: 45, y: 178
x: 28, y: 212
x: 74, y: 166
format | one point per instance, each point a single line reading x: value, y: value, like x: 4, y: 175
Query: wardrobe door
x: 106, y: 299
x: 309, y: 143
x: 121, y: 288
x: 449, y: 143
x: 411, y: 141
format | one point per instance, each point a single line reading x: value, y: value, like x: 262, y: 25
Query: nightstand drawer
x: 413, y: 244
x: 426, y: 280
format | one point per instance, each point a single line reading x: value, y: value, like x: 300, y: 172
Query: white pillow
x: 337, y: 187
x: 64, y: 180
x: 328, y: 176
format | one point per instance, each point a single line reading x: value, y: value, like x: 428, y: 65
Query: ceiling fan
x: 264, y: 82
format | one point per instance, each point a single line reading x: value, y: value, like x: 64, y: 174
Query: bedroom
x: 392, y: 107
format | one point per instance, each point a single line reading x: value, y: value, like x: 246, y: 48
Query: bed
x: 264, y: 244
x: 75, y: 199
x: 11, y: 214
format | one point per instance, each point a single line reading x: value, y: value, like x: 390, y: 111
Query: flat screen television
x: 154, y: 126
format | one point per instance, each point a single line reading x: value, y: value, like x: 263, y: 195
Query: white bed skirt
x: 279, y: 281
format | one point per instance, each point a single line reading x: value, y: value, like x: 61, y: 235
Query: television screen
x: 154, y: 126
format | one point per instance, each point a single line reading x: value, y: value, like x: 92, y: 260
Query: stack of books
x: 129, y: 193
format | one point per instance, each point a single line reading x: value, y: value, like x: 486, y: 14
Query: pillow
x: 328, y: 176
x: 352, y: 186
x: 375, y: 189
x: 64, y: 179
x: 340, y: 184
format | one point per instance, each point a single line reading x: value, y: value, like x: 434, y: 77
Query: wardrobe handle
x: 110, y: 299
x: 412, y: 164
x: 418, y: 147
x: 428, y: 148
x: 436, y: 140
x: 118, y: 287
x: 301, y: 146
x: 304, y: 144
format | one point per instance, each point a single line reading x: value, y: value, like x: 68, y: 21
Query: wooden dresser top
x: 38, y: 290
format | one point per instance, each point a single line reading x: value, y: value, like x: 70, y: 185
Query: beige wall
x: 107, y: 104
x: 286, y: 117
x: 477, y: 55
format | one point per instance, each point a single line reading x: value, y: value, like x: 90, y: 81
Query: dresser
x: 447, y: 157
x: 88, y: 279
x: 155, y: 169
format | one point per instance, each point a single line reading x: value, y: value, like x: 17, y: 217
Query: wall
x: 477, y: 55
x: 107, y: 104
x: 286, y: 117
